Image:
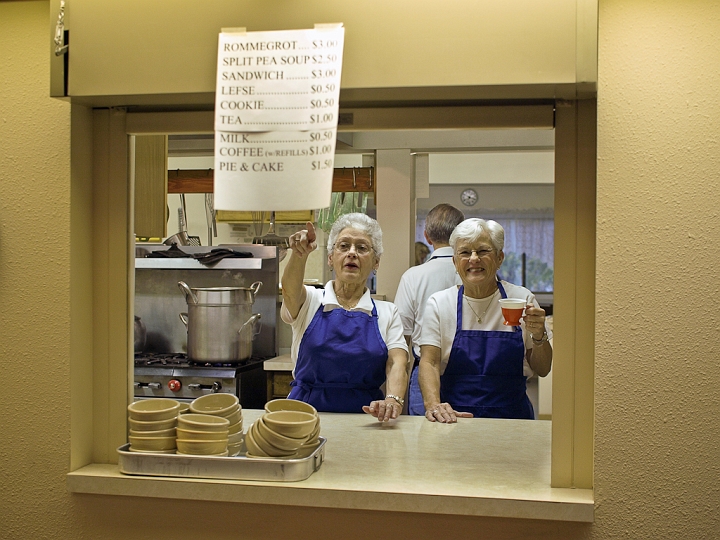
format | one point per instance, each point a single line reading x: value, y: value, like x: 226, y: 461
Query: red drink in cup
x: 512, y: 310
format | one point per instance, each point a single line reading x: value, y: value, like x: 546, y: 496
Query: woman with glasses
x: 471, y: 364
x: 345, y: 344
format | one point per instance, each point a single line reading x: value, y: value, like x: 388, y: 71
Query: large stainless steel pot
x: 220, y: 324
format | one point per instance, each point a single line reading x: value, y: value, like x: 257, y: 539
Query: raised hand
x: 303, y: 242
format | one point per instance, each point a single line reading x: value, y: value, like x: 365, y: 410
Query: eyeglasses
x: 360, y: 249
x: 465, y: 254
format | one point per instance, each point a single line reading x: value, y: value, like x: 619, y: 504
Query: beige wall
x: 35, y: 282
x: 656, y: 428
x: 657, y: 405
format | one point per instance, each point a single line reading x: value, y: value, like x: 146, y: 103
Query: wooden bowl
x: 153, y: 425
x: 237, y: 438
x: 205, y: 448
x: 217, y: 404
x: 266, y: 447
x: 170, y: 432
x: 235, y: 428
x: 314, y: 437
x: 285, y: 404
x: 153, y: 409
x: 296, y: 424
x: 200, y: 435
x: 151, y: 443
x: 203, y: 422
x: 171, y: 451
x: 253, y: 449
x: 288, y: 444
x: 234, y: 417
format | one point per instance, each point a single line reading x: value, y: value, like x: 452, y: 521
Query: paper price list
x: 276, y: 113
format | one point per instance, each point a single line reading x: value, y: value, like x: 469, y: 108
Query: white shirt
x: 416, y: 286
x: 440, y: 319
x: 388, y: 318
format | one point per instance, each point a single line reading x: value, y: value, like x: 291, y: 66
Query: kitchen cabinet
x: 279, y: 376
x: 278, y: 384
x: 518, y: 49
x: 150, y: 168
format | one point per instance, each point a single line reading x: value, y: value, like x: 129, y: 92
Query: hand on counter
x: 383, y: 409
x: 445, y: 414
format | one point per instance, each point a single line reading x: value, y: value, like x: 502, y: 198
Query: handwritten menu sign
x: 276, y: 110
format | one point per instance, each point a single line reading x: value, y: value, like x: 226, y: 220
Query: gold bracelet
x: 400, y: 400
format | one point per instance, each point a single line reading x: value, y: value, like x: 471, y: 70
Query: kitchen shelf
x: 202, y: 180
x: 192, y: 264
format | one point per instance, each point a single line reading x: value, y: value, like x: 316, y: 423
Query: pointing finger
x: 311, y: 235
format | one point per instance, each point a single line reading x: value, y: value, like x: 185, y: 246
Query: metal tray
x: 238, y: 467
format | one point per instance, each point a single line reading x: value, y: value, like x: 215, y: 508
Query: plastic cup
x: 512, y: 310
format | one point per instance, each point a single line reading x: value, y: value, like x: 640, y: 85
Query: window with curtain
x: 529, y: 252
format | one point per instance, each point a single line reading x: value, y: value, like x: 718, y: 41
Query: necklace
x: 479, y: 317
x: 349, y: 305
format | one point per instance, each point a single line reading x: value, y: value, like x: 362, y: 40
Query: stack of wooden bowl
x: 286, y: 429
x: 202, y: 435
x: 295, y: 405
x: 225, y: 406
x: 152, y: 425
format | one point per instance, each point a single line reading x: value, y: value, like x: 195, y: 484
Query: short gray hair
x: 362, y: 223
x: 441, y: 222
x: 472, y: 229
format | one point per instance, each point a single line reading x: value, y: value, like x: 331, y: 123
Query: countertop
x: 480, y: 467
x: 279, y: 363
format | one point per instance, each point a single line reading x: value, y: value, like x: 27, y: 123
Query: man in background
x: 419, y: 282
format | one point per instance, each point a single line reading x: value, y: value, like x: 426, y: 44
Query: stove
x: 174, y: 375
x: 161, y: 372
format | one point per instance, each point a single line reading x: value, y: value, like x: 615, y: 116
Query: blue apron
x: 341, y: 362
x: 416, y: 407
x: 484, y: 374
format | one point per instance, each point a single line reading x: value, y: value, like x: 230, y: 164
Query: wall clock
x: 469, y: 197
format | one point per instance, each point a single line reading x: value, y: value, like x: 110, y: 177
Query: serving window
x: 96, y: 437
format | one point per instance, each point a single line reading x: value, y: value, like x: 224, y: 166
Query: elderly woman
x: 471, y: 364
x: 345, y: 344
